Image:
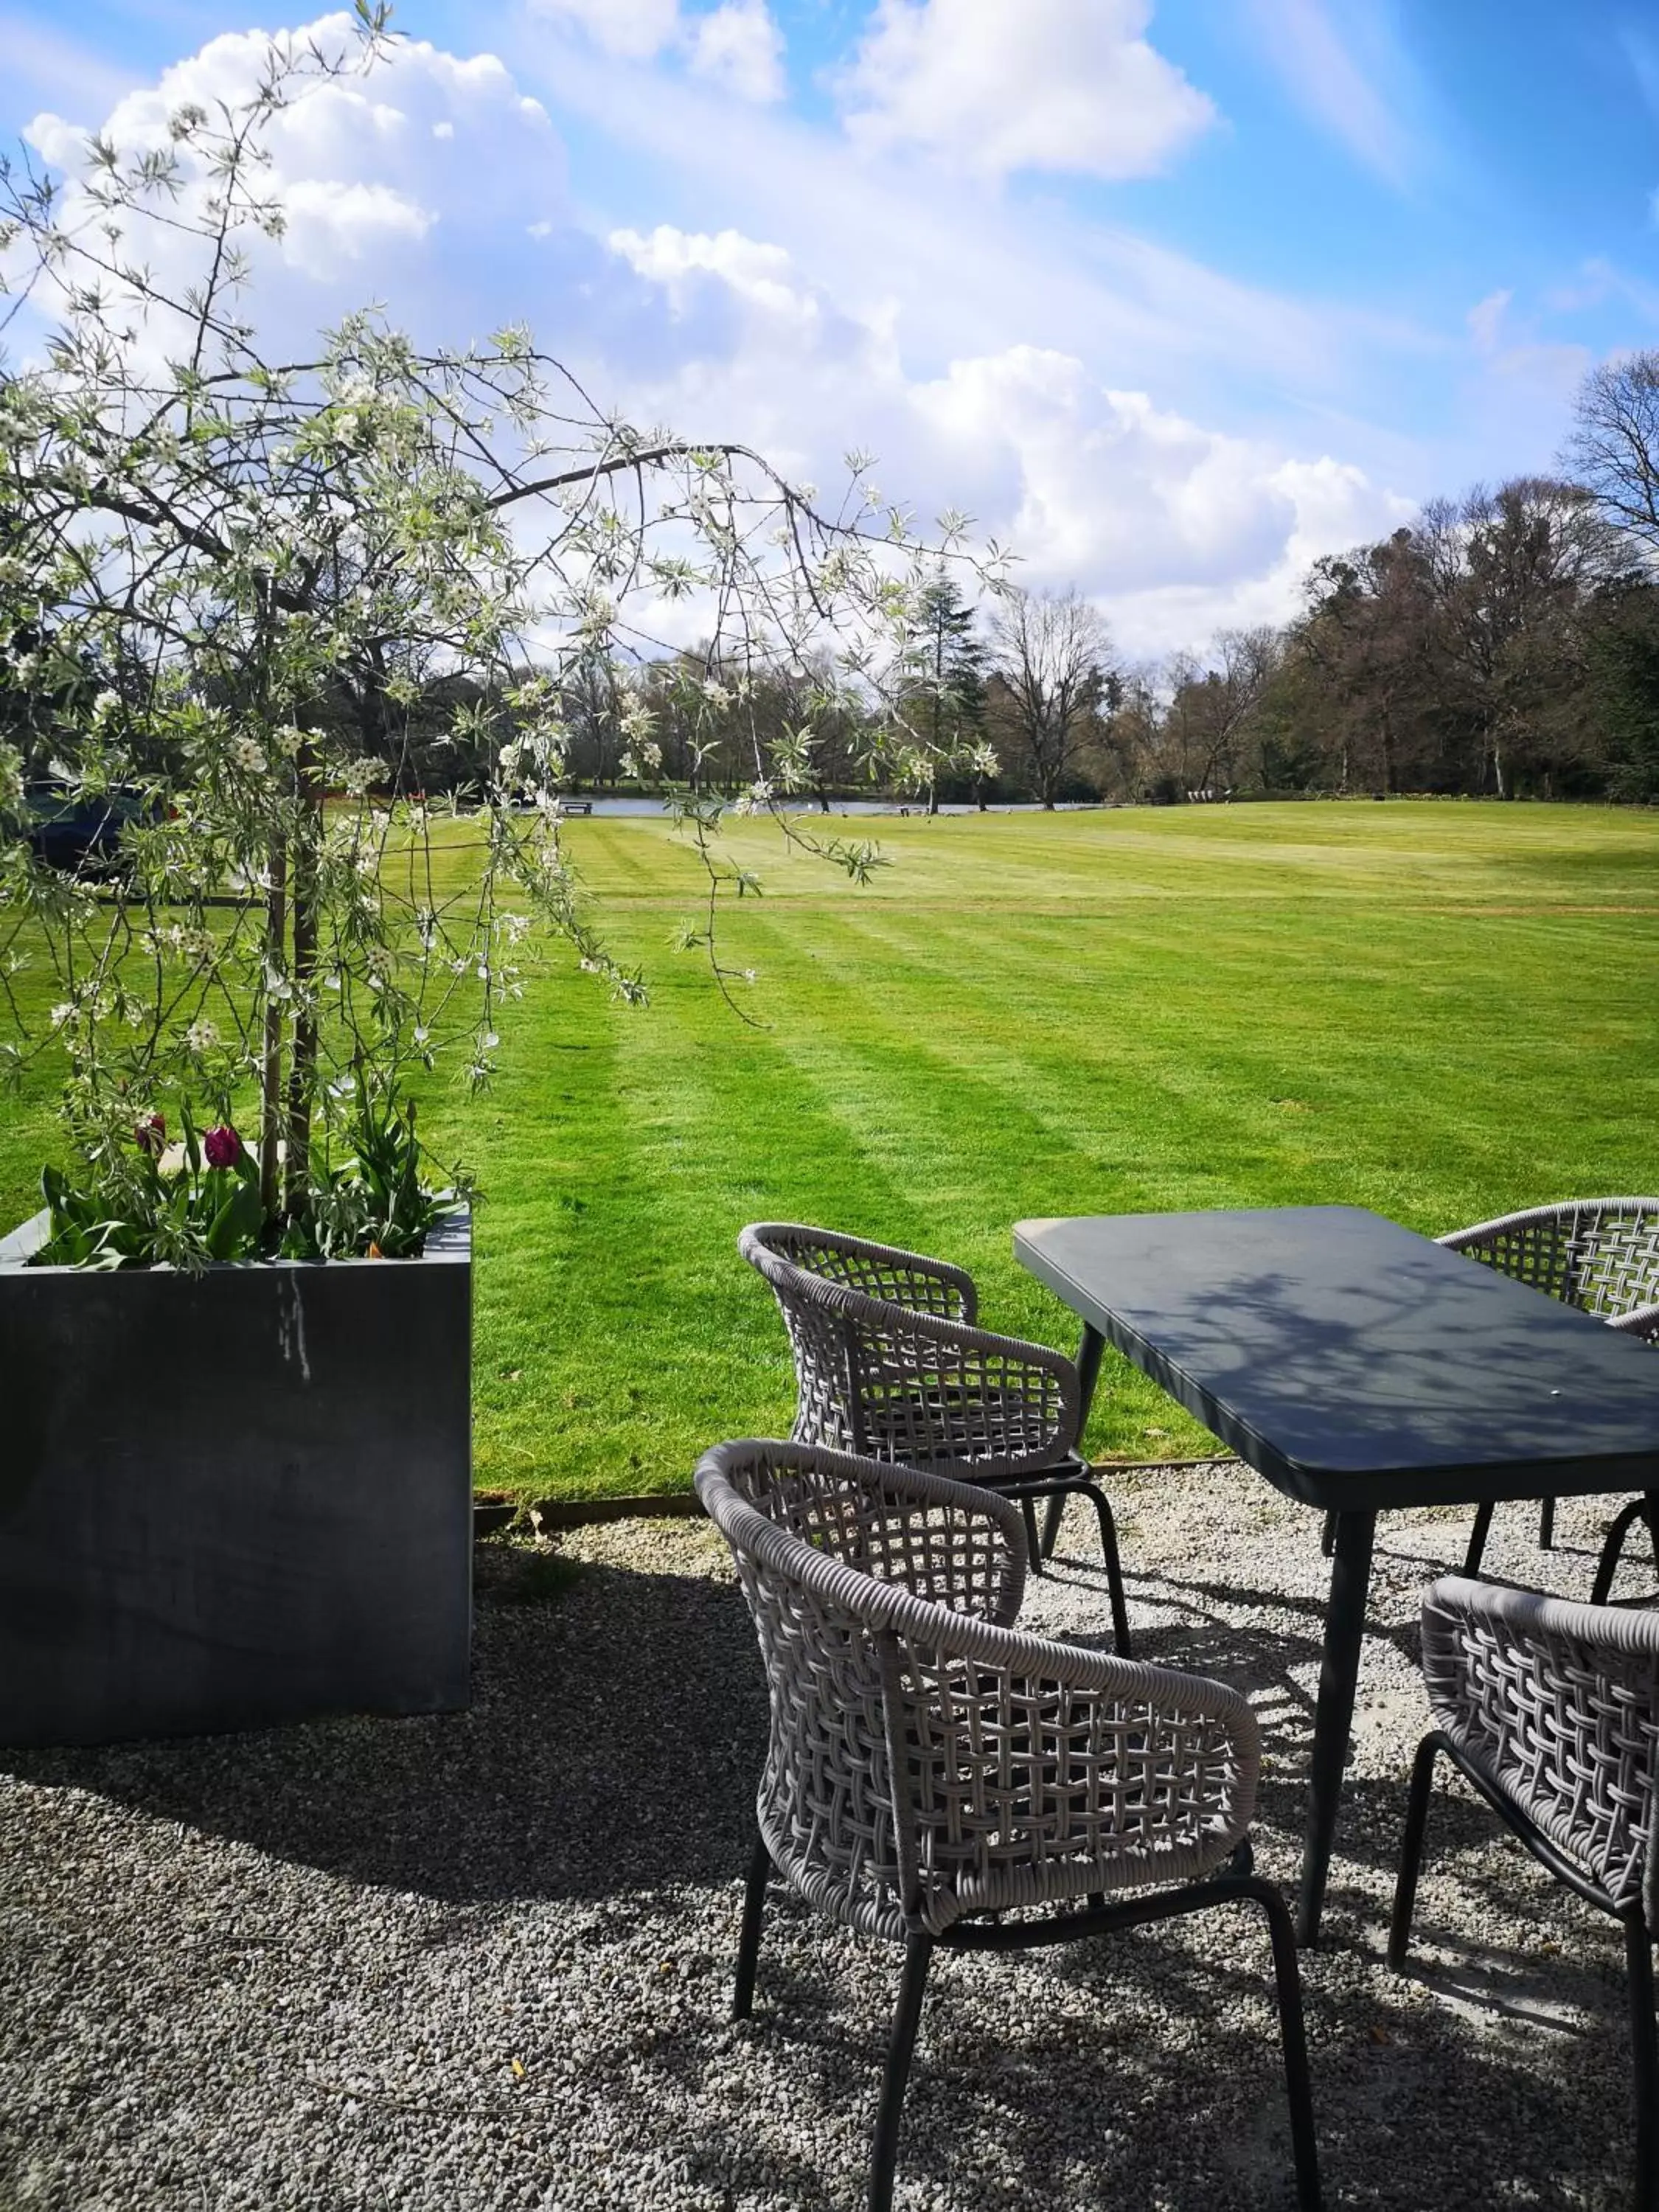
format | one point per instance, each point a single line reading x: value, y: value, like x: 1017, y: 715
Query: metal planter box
x: 233, y: 1499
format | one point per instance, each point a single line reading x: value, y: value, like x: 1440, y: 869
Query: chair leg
x: 1298, y: 2088
x: 1114, y: 1570
x: 1033, y: 1542
x: 1411, y: 1852
x: 1477, y: 1540
x: 1054, y: 1513
x: 1546, y: 1524
x: 754, y: 1904
x: 883, y: 2156
x: 1613, y: 1548
x: 1644, y: 2055
x: 1328, y: 1535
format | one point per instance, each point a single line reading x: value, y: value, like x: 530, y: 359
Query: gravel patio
x: 485, y: 1960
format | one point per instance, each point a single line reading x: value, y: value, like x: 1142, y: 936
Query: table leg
x: 1088, y: 1370
x: 1345, y: 1626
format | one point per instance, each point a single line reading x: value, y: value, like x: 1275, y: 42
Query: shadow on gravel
x: 1144, y: 2068
x: 614, y: 1742
x: 612, y: 1754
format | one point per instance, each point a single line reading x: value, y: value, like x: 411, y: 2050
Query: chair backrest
x: 1599, y: 1254
x: 878, y: 1271
x: 829, y: 1404
x: 903, y: 1380
x: 1558, y: 1705
x: 955, y: 1545
x: 925, y: 1763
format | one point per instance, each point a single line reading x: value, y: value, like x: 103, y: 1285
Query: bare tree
x: 1614, y: 451
x: 1206, y: 729
x: 1051, y: 656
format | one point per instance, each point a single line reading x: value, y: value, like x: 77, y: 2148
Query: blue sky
x: 1173, y: 297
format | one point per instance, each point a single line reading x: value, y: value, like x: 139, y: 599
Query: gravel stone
x: 483, y: 1960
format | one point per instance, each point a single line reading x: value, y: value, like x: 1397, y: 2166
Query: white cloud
x: 1336, y: 89
x: 333, y: 225
x: 353, y: 160
x: 738, y: 46
x: 1175, y: 528
x: 1057, y: 379
x: 1047, y: 84
x: 676, y: 259
x: 636, y: 29
x: 44, y: 63
x: 1486, y: 321
x: 1540, y: 375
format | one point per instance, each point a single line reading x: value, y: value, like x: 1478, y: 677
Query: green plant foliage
x: 250, y: 599
x: 376, y: 1203
x: 197, y: 1204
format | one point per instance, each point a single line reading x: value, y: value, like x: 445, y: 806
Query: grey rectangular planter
x: 235, y: 1498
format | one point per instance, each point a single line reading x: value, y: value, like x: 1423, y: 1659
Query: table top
x: 1355, y: 1364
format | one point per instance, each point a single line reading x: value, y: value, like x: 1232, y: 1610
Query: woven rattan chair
x: 1600, y: 1255
x: 891, y: 1363
x: 1551, y: 1712
x: 930, y: 1768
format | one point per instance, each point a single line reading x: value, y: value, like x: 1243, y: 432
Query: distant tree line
x: 1505, y: 644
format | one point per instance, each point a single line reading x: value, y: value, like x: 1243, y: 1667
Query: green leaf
x: 235, y: 1232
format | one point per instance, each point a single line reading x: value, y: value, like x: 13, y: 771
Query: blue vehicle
x: 78, y: 834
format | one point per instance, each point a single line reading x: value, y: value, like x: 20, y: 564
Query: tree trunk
x: 302, y: 1060
x: 270, y: 1082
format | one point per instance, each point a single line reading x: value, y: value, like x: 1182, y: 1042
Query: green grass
x: 1439, y: 1011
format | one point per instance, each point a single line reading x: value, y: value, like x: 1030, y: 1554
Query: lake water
x: 632, y: 804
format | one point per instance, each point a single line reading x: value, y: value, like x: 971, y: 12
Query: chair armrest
x: 1557, y: 1705
x: 1640, y: 1321
x: 939, y: 1394
x: 877, y: 1271
x: 1026, y: 1770
x: 1599, y: 1254
x: 950, y: 1543
x: 1535, y: 1247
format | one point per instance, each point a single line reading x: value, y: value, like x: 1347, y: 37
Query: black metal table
x: 1358, y: 1367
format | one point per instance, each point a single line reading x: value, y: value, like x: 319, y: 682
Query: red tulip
x: 151, y: 1136
x: 223, y: 1145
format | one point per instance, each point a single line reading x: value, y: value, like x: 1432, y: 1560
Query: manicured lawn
x: 1440, y: 1011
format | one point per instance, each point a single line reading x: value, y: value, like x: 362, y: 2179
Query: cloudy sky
x: 1173, y: 298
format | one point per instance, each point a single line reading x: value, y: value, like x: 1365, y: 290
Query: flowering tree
x: 231, y: 587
